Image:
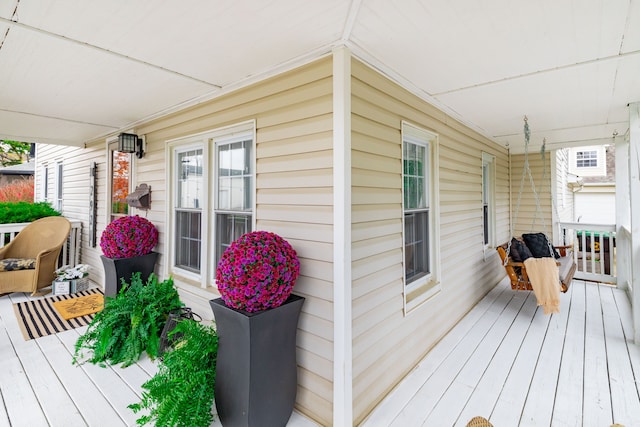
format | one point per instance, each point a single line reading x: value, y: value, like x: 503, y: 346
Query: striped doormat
x: 38, y: 318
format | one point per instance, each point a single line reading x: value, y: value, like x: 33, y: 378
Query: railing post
x: 634, y: 198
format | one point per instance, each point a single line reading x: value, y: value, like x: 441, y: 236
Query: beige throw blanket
x: 545, y: 281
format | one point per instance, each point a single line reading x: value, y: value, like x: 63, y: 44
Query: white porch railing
x: 70, y: 254
x: 594, y: 250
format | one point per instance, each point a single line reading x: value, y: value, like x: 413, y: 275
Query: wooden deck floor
x: 40, y: 387
x: 508, y: 362
x: 505, y: 361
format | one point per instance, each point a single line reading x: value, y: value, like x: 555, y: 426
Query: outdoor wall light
x: 130, y: 143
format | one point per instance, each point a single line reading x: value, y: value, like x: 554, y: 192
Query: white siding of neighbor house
x: 564, y: 197
x: 76, y: 166
x: 387, y: 344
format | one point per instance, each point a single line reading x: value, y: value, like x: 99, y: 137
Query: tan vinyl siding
x: 387, y: 343
x: 529, y: 218
x: 294, y: 197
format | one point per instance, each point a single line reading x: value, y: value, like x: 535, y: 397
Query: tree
x: 13, y: 152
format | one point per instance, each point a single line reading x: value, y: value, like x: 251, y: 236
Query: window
x: 488, y: 200
x: 587, y: 159
x: 420, y: 216
x: 58, y: 200
x: 213, y: 197
x: 188, y: 212
x: 45, y: 182
x: 120, y: 183
x: 234, y: 176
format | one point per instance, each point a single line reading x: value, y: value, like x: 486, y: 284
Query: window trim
x: 58, y: 186
x: 174, y: 206
x: 45, y: 182
x: 489, y: 161
x: 428, y: 286
x: 112, y: 145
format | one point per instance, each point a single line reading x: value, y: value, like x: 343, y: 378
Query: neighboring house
x: 13, y: 173
x: 394, y: 208
x: 596, y: 200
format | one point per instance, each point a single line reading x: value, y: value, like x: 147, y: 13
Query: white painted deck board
x: 487, y: 392
x: 389, y: 408
x: 576, y: 368
x: 39, y: 385
x: 597, y: 404
x: 569, y: 394
x: 433, y: 389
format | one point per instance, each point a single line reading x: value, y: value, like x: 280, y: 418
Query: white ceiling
x: 74, y: 70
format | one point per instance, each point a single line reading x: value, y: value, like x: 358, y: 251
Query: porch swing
x: 514, y: 252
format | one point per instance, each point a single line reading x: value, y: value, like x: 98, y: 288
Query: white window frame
x: 58, y: 186
x: 207, y: 141
x: 592, y: 155
x: 45, y: 182
x: 112, y: 145
x: 489, y: 199
x: 425, y: 287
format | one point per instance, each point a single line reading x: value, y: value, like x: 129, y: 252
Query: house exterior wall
x: 387, y: 343
x: 530, y: 219
x: 294, y: 198
x: 293, y: 117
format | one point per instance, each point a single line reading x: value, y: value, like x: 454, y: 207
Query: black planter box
x: 256, y: 369
x: 123, y: 268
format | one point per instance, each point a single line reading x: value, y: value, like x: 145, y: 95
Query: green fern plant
x: 129, y: 324
x: 182, y: 391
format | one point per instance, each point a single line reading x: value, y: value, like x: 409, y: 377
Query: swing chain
x: 526, y: 171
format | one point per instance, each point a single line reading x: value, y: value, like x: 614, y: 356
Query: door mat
x: 38, y: 318
x: 79, y: 306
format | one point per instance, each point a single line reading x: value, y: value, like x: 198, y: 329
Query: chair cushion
x: 519, y: 251
x: 538, y: 244
x: 13, y: 264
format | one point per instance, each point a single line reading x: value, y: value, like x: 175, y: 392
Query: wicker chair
x: 29, y: 261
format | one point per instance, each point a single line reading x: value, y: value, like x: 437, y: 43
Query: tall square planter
x: 116, y: 269
x: 256, y: 369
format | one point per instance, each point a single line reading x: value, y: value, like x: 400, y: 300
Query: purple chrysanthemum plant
x: 257, y: 272
x: 128, y: 236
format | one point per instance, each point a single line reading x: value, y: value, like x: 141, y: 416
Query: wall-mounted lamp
x: 130, y: 143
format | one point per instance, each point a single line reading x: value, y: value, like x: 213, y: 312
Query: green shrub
x: 16, y: 212
x: 130, y: 323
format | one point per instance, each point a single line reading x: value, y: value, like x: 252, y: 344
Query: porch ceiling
x: 75, y: 70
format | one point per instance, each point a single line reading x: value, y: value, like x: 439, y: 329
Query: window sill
x: 417, y: 296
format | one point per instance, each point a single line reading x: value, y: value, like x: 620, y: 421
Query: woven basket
x: 479, y: 422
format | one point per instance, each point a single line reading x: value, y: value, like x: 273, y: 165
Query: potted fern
x: 130, y: 324
x: 182, y: 391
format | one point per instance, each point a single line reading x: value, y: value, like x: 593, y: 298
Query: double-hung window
x: 188, y: 212
x: 419, y: 155
x: 488, y: 201
x: 213, y: 198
